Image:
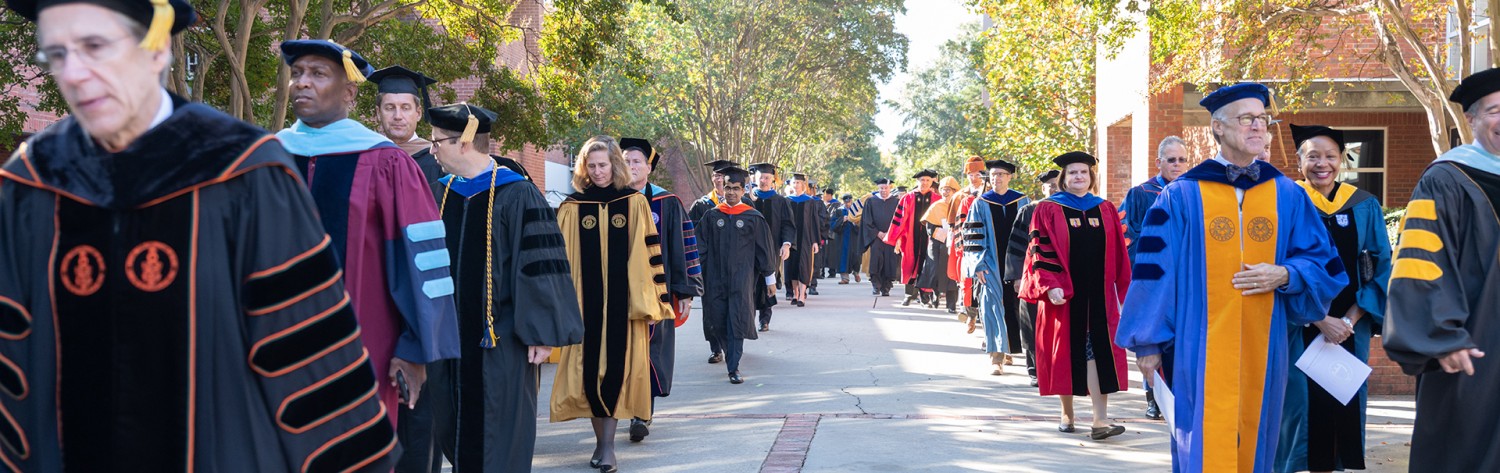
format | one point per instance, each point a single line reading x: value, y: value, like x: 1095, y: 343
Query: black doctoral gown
x: 885, y: 264
x: 737, y: 255
x: 1444, y: 297
x: 810, y: 220
x: 484, y: 403
x: 679, y: 250
x: 176, y: 305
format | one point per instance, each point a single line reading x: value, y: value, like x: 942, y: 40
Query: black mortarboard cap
x: 400, y: 80
x: 355, y: 66
x: 1476, y: 87
x: 180, y: 16
x: 882, y: 180
x: 1047, y: 176
x: 1071, y: 157
x: 1000, y: 163
x: 1304, y: 133
x: 846, y: 197
x: 767, y: 168
x: 718, y: 164
x: 642, y: 145
x: 797, y: 176
x: 733, y: 173
x: 925, y: 173
x: 830, y: 190
x: 1229, y: 94
x: 455, y: 117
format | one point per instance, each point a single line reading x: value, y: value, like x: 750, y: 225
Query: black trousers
x: 1012, y: 301
x: 414, y: 432
x: 1026, y: 318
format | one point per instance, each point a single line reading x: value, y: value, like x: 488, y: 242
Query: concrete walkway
x: 858, y: 383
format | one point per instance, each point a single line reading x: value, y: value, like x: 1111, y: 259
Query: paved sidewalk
x: 857, y: 383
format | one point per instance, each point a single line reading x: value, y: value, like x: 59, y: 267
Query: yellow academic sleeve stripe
x: 1424, y: 209
x: 1412, y: 268
x: 1421, y: 239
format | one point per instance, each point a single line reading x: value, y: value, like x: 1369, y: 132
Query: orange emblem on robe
x: 82, y: 270
x: 151, y: 266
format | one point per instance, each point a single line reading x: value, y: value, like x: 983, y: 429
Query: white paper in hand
x: 1165, y: 400
x: 1334, y: 369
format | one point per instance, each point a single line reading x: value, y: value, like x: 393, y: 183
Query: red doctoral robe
x: 900, y: 235
x: 1049, y: 264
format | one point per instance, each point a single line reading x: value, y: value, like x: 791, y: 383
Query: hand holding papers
x: 1333, y: 368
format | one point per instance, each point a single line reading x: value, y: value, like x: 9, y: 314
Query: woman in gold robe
x: 616, y: 263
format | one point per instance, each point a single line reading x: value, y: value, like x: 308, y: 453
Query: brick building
x: 520, y: 55
x: 1389, y: 144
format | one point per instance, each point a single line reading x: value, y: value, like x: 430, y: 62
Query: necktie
x: 1234, y: 172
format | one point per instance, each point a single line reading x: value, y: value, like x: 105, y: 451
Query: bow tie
x: 1233, y: 172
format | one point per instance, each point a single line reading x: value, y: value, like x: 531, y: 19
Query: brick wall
x: 1166, y: 120
x: 1116, y: 170
x: 1386, y: 377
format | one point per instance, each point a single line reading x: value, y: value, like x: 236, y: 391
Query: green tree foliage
x: 1296, y: 41
x: 944, y: 111
x: 785, y: 81
x: 228, y: 59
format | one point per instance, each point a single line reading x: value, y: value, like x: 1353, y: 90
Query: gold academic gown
x: 615, y: 257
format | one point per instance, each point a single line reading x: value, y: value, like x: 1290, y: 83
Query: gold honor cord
x: 489, y: 258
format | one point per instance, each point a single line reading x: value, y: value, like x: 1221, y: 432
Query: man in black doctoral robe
x: 1015, y: 267
x: 514, y: 294
x: 885, y: 263
x: 168, y: 298
x: 695, y: 215
x: 679, y: 257
x: 777, y: 211
x: 1445, y: 293
x: 808, y: 214
x: 823, y: 268
x: 739, y: 268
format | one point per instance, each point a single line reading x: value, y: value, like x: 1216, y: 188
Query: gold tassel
x: 162, y: 16
x: 470, y: 129
x: 350, y: 70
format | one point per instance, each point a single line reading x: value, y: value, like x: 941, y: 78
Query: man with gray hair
x: 1171, y: 161
x: 168, y: 298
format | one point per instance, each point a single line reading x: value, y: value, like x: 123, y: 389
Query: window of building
x: 1479, y: 31
x: 1364, y: 160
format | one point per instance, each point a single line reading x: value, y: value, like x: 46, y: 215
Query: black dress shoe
x: 907, y: 302
x: 1033, y: 381
x: 734, y: 378
x: 874, y: 292
x: 765, y: 327
x: 1065, y: 428
x: 608, y: 469
x: 812, y: 291
x: 715, y: 358
x: 1152, y: 410
x: 638, y: 430
x: 885, y: 293
x: 1101, y: 433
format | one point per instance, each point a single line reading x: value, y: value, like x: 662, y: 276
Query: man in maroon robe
x: 378, y: 209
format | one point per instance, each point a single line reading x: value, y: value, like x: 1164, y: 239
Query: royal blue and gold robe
x: 1230, y: 354
x: 985, y: 238
x: 679, y: 251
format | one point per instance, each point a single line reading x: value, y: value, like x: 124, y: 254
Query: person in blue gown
x: 1230, y: 254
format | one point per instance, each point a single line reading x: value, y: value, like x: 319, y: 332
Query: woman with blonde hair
x: 615, y: 257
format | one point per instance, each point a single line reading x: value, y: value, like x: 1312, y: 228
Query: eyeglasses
x: 1175, y: 160
x: 90, y: 51
x: 1247, y: 120
x: 435, y: 140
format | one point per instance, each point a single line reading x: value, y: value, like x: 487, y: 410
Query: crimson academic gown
x: 1056, y: 261
x: 377, y: 206
x: 906, y: 232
